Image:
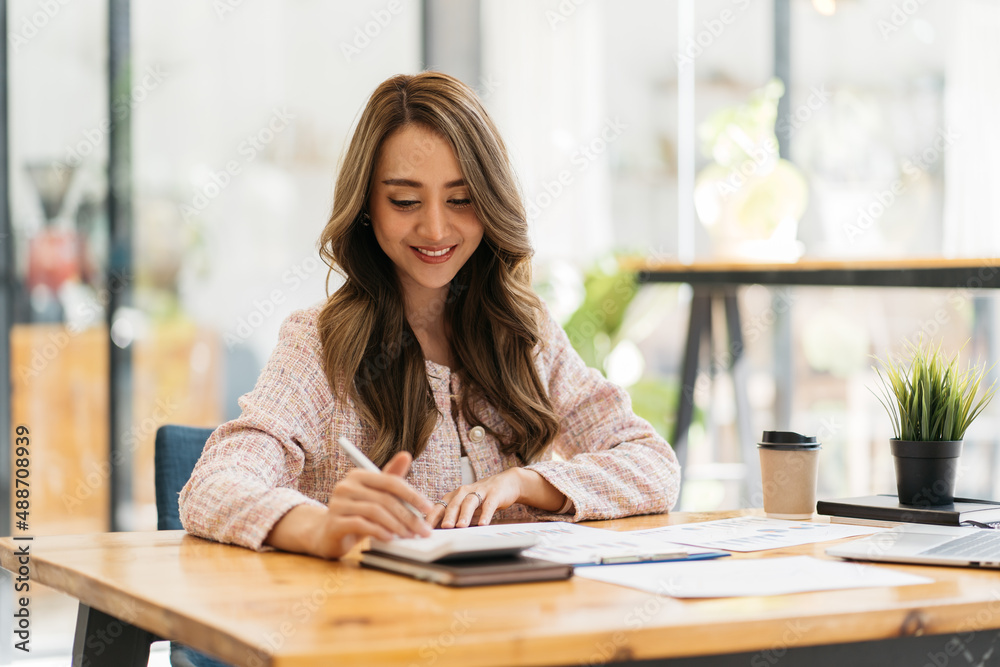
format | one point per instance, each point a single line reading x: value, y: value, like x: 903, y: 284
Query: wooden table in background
x: 279, y: 609
x: 719, y: 279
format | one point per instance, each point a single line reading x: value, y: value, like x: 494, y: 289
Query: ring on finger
x: 441, y: 503
x: 476, y: 494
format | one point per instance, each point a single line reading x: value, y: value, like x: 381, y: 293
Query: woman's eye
x: 404, y: 203
x: 460, y: 203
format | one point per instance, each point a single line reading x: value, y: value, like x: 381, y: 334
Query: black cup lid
x: 788, y: 440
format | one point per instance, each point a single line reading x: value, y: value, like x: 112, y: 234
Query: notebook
x: 454, y: 545
x: 886, y: 508
x: 926, y: 545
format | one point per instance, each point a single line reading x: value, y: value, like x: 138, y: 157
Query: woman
x: 434, y: 357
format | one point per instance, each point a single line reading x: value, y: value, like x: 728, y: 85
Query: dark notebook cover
x: 888, y: 508
x: 475, y: 572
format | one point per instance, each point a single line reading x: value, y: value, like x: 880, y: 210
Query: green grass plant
x: 926, y: 395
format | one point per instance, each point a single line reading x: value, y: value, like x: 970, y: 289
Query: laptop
x: 926, y: 545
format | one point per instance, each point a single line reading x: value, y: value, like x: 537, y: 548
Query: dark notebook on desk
x: 471, y: 572
x: 887, y: 508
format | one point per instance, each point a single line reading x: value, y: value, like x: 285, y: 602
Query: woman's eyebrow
x: 404, y: 182
x: 416, y: 184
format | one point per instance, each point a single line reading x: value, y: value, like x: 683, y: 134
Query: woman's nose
x: 434, y: 222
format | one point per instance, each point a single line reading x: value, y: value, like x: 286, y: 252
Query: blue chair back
x: 177, y: 450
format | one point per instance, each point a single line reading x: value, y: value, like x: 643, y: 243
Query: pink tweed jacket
x: 281, y: 451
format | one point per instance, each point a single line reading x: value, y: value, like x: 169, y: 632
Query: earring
x: 366, y: 219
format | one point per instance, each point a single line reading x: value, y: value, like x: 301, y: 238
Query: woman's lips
x: 429, y: 256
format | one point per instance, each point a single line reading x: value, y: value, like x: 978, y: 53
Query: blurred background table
x: 718, y: 281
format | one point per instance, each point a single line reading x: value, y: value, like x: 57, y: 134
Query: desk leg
x: 738, y: 370
x: 701, y: 309
x: 102, y: 639
x: 783, y: 372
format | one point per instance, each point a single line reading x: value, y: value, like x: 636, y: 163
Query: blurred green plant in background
x: 615, y: 314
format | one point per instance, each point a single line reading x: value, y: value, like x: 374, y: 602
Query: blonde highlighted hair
x: 370, y: 352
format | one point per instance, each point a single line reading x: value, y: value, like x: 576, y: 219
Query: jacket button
x: 477, y: 434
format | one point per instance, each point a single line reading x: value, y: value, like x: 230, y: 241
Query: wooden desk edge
x: 97, y: 594
x: 527, y: 648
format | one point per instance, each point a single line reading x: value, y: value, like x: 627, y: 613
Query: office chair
x: 177, y: 450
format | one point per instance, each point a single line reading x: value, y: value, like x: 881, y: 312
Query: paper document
x: 570, y: 543
x: 731, y: 577
x: 547, y: 532
x: 753, y: 533
x: 620, y: 547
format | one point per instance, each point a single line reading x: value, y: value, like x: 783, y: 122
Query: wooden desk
x: 287, y: 610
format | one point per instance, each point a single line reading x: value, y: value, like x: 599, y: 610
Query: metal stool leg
x: 102, y: 639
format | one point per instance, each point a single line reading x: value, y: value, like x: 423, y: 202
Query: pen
x: 363, y: 462
x: 643, y: 558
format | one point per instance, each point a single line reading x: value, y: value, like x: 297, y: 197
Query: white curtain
x: 972, y: 106
x: 543, y: 82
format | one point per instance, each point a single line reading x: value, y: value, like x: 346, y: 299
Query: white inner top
x: 468, y: 474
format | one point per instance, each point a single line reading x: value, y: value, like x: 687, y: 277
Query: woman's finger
x: 346, y: 531
x: 487, y: 511
x: 398, y: 465
x: 378, y: 508
x: 436, y: 514
x: 395, y: 486
x: 469, y: 506
x: 394, y: 492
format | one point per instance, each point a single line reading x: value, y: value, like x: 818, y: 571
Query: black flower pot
x: 926, y: 471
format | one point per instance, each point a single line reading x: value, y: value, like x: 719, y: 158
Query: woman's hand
x: 367, y: 504
x: 363, y: 504
x: 515, y: 485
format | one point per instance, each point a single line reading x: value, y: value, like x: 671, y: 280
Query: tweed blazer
x: 282, y: 452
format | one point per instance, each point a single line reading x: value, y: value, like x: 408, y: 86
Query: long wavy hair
x: 370, y: 352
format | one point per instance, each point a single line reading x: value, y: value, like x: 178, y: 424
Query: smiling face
x: 421, y: 211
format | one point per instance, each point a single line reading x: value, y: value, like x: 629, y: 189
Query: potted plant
x: 931, y: 403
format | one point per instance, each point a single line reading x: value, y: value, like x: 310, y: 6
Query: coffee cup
x: 789, y: 464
